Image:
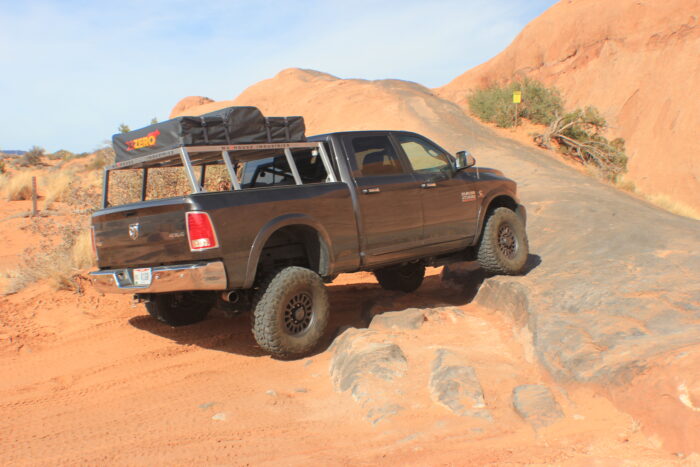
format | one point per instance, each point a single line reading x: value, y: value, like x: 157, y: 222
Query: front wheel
x: 181, y: 308
x: 503, y: 248
x: 291, y: 313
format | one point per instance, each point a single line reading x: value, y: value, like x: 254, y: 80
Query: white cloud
x: 74, y: 70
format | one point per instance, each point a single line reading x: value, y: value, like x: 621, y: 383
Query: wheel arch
x: 494, y: 201
x: 302, y: 227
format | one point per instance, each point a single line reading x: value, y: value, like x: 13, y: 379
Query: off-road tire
x: 503, y: 247
x: 181, y: 308
x: 290, y: 312
x: 404, y: 278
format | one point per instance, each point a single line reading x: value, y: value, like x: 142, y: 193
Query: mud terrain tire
x: 503, y: 248
x: 180, y: 309
x: 404, y: 278
x: 291, y: 313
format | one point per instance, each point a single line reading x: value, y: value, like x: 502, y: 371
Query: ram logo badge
x: 134, y: 231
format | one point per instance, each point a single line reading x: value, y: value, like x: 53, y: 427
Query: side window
x: 375, y: 155
x: 424, y: 157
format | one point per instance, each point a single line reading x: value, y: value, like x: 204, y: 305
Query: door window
x: 424, y: 157
x: 375, y: 155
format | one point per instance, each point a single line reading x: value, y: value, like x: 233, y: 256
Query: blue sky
x: 73, y: 70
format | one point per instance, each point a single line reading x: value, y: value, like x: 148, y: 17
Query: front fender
x: 274, y: 225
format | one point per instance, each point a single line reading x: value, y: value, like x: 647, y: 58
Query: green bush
x: 3, y: 168
x: 494, y: 104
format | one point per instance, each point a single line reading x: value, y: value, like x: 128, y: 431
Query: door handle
x: 369, y: 191
x: 428, y: 185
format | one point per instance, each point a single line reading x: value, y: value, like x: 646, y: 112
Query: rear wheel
x: 503, y: 248
x: 404, y: 278
x: 181, y: 308
x: 291, y: 312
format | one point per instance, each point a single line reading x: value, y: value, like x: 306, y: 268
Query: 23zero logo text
x: 143, y: 142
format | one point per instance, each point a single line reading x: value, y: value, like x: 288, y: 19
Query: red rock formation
x: 637, y: 61
x: 187, y: 103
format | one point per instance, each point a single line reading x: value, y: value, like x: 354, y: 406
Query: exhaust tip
x: 230, y: 296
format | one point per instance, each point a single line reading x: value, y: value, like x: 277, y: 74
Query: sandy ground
x: 92, y: 380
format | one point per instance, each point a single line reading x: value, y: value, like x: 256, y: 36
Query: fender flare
x: 273, y: 226
x: 484, y: 208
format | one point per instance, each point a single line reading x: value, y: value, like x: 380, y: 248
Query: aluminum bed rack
x: 190, y: 156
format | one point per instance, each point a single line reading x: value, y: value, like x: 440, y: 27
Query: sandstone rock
x: 536, y: 405
x: 367, y: 366
x: 187, y: 103
x: 456, y: 386
x: 411, y: 318
x: 507, y: 296
x: 609, y: 67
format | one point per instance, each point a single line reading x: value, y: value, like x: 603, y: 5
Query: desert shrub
x: 124, y: 128
x: 101, y: 158
x: 3, y: 167
x: 579, y: 135
x: 60, y: 264
x: 18, y: 187
x: 61, y: 154
x: 32, y: 157
x: 57, y: 187
x: 494, y: 105
x: 540, y: 104
x: 168, y: 182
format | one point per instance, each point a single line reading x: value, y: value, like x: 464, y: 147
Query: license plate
x: 142, y: 276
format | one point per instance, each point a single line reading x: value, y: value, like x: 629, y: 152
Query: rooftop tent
x: 232, y: 125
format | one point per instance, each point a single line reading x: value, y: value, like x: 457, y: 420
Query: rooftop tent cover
x: 232, y: 125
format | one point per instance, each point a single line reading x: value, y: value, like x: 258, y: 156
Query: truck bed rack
x: 191, y: 156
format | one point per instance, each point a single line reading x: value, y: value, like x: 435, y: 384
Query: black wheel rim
x: 507, y: 241
x: 298, y: 313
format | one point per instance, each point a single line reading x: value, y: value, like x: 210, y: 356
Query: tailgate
x: 151, y: 233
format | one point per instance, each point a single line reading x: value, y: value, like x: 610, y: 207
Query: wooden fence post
x: 33, y: 196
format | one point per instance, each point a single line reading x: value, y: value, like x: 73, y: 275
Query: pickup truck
x: 293, y: 216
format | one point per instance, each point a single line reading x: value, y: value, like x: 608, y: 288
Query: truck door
x: 390, y: 217
x: 450, y: 202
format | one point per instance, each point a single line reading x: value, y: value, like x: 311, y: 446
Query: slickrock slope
x: 616, y: 284
x: 637, y: 61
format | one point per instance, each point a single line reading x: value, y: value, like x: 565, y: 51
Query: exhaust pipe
x: 230, y: 296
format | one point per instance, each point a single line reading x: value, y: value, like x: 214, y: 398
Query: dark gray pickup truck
x: 292, y: 216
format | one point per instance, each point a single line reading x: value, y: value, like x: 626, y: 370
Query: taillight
x: 200, y: 231
x: 92, y: 240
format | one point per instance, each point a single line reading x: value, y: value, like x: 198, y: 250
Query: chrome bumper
x: 180, y: 277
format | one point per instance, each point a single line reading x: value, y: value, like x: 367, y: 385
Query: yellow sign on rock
x: 517, y: 97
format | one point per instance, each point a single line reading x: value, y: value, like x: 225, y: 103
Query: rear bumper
x: 198, y: 276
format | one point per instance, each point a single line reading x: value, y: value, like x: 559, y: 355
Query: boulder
x: 368, y: 366
x: 411, y: 318
x: 456, y: 386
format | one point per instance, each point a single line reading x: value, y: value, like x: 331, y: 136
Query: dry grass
x: 81, y: 254
x: 61, y: 265
x: 676, y: 207
x: 18, y: 187
x: 57, y: 187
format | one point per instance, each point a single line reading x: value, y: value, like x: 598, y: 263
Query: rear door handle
x: 369, y: 191
x: 428, y: 185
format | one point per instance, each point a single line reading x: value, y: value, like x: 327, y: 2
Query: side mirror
x: 465, y: 160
